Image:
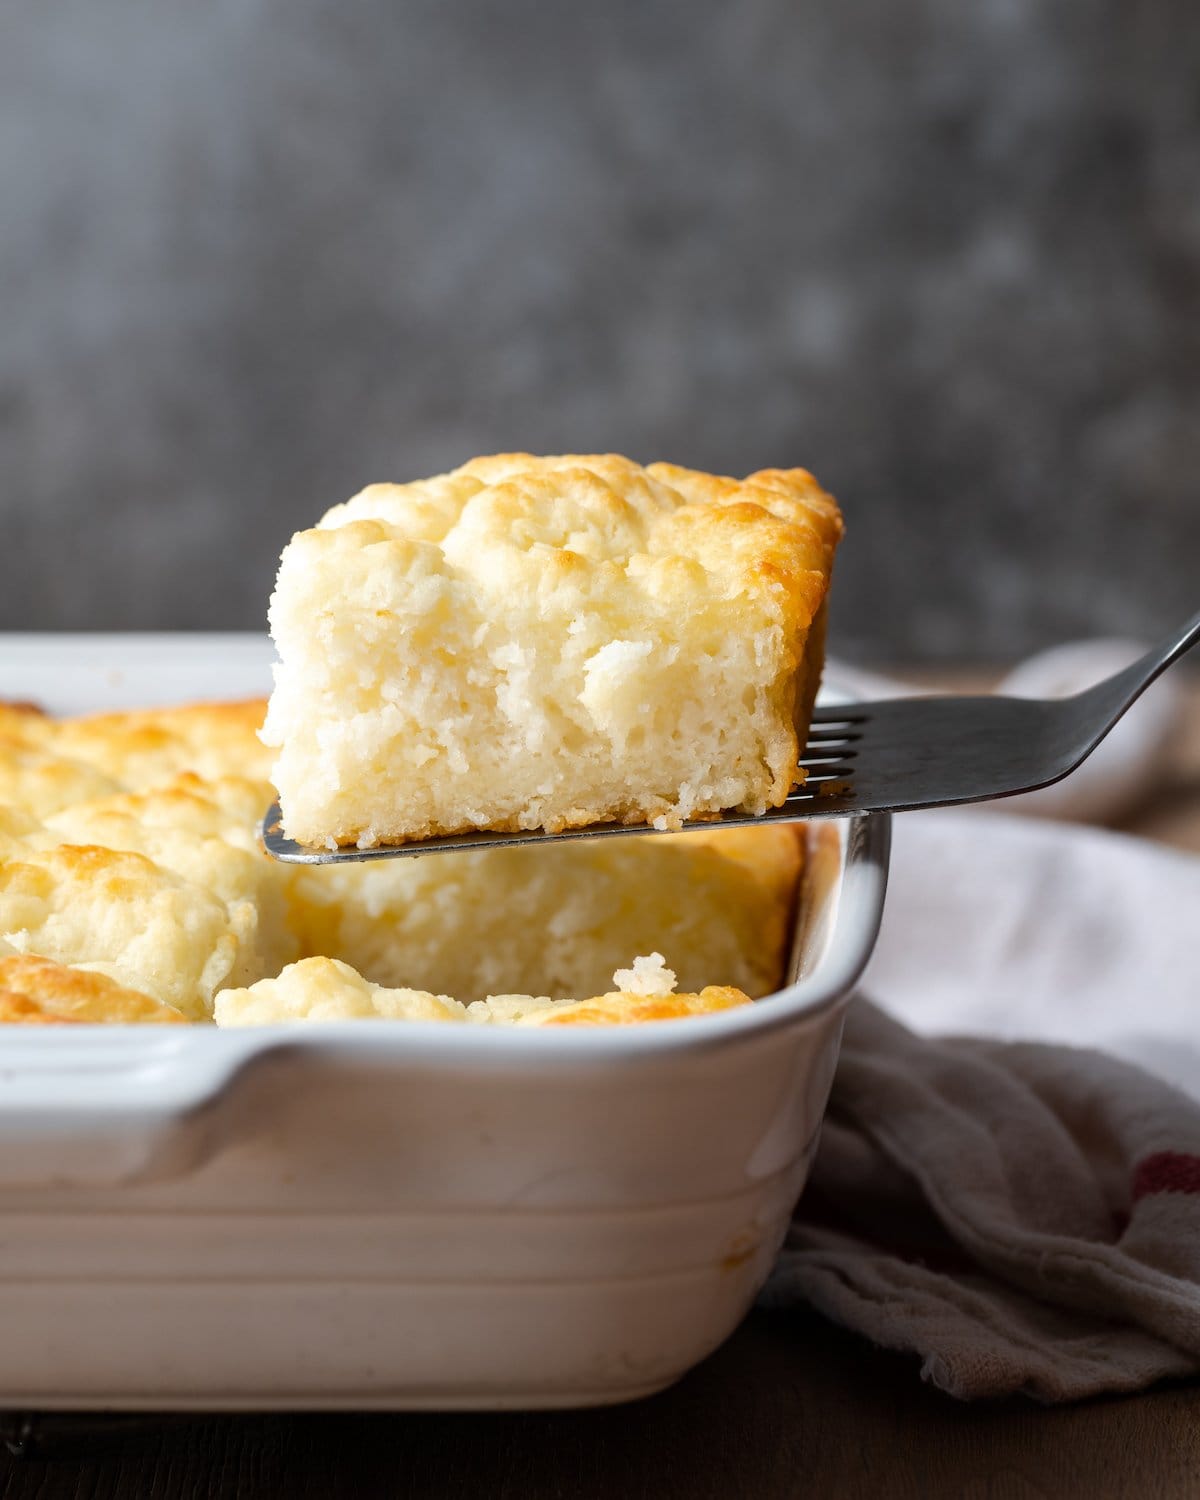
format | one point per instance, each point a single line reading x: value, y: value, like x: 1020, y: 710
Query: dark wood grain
x: 789, y: 1407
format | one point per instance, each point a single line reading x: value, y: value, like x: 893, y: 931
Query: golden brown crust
x: 49, y: 764
x: 189, y: 834
x: 39, y: 991
x: 19, y: 1010
x: 85, y: 904
x: 623, y: 1009
x: 115, y: 851
x: 42, y: 782
x: 324, y: 990
x: 26, y: 722
x: 146, y: 747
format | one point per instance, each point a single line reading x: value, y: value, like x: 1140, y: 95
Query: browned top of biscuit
x: 39, y: 991
x: 623, y: 1009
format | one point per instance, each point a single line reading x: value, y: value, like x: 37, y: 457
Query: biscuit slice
x: 545, y: 643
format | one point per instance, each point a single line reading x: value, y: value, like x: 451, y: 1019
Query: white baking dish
x: 375, y: 1214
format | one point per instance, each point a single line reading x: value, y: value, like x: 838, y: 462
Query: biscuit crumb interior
x: 545, y: 643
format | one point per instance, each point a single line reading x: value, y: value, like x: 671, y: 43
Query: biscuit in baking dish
x: 144, y: 748
x: 196, y: 903
x: 546, y: 643
x: 48, y: 764
x: 20, y: 831
x: 39, y: 991
x: 322, y: 989
x: 185, y: 832
x: 124, y: 914
x: 35, y: 779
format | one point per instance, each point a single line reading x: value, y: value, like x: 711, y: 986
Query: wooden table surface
x: 790, y: 1406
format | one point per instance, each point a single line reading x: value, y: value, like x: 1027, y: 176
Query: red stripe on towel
x: 1166, y: 1172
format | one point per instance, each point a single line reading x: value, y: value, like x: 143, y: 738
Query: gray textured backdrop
x: 946, y: 253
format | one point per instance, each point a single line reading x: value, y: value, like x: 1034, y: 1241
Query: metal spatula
x: 891, y: 756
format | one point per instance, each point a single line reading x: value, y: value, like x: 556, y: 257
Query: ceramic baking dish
x: 375, y: 1214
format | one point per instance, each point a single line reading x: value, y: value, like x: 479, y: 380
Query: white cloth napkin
x: 1016, y: 928
x: 1018, y: 1209
x: 1024, y: 1218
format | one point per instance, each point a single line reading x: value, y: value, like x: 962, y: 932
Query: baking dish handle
x: 113, y: 1104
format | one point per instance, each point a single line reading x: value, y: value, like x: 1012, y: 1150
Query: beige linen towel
x: 1025, y: 1218
x: 1021, y: 1213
